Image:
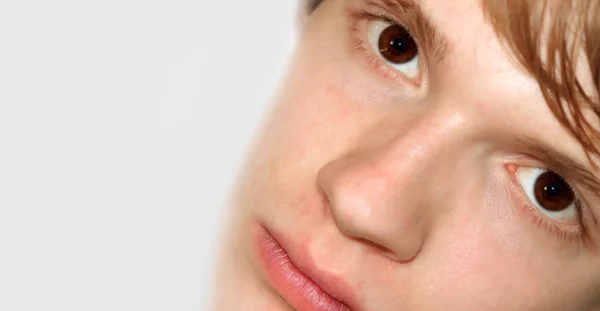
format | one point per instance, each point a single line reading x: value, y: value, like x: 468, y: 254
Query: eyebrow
x: 432, y: 40
x: 565, y: 165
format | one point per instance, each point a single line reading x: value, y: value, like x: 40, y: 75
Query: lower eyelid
x: 563, y: 214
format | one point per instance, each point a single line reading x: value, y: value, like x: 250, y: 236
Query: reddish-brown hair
x: 558, y: 43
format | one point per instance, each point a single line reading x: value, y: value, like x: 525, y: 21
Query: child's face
x: 403, y: 181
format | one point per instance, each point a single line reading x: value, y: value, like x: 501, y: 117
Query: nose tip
x: 366, y: 207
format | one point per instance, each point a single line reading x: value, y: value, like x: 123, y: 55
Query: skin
x: 407, y: 193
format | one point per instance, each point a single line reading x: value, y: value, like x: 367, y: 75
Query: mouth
x: 292, y: 283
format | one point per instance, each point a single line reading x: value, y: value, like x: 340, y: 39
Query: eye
x: 549, y: 193
x: 396, y: 46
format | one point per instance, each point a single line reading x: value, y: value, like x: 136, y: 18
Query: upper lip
x: 332, y: 285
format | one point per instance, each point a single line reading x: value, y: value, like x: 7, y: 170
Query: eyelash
x: 358, y: 16
x: 581, y: 236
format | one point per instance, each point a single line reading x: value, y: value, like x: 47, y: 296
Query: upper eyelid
x: 394, y: 21
x: 388, y: 18
x: 562, y: 164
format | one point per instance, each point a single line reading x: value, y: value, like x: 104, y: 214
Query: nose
x: 390, y: 187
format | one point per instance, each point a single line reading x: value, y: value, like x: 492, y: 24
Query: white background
x: 122, y: 124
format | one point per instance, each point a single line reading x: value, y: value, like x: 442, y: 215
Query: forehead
x: 472, y: 43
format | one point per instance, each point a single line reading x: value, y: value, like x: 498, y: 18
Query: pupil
x: 399, y: 45
x: 553, y: 190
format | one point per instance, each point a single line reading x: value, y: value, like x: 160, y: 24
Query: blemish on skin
x: 344, y: 112
x: 272, y: 169
x: 331, y: 89
x: 300, y: 153
x: 333, y: 93
x: 299, y: 202
x: 337, y: 94
x: 304, y: 210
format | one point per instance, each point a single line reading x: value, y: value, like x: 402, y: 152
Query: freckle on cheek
x: 331, y: 90
x: 300, y: 152
x: 304, y: 210
x: 344, y: 113
x: 298, y: 203
x: 299, y: 200
x: 305, y: 245
x: 334, y: 94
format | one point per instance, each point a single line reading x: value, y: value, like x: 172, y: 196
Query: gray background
x: 122, y: 124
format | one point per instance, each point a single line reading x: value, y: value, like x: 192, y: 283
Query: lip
x: 298, y: 286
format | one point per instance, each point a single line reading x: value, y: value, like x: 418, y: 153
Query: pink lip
x: 299, y: 290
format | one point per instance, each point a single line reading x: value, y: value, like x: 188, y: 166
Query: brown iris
x: 396, y: 45
x: 552, y: 192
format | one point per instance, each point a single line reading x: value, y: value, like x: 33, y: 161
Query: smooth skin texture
x: 410, y: 191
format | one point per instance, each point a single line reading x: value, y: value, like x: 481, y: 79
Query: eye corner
x: 511, y: 168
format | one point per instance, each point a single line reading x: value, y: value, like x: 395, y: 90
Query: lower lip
x: 296, y: 288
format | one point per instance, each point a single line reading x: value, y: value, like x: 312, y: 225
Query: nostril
x: 409, y: 260
x: 388, y: 253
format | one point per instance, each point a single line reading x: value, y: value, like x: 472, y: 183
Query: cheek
x: 310, y: 126
x: 506, y: 223
x: 483, y: 257
x: 319, y: 121
x: 474, y: 268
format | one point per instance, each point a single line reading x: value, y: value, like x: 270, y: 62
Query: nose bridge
x: 381, y: 190
x: 420, y: 140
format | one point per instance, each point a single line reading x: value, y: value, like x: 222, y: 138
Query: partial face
x: 408, y: 168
